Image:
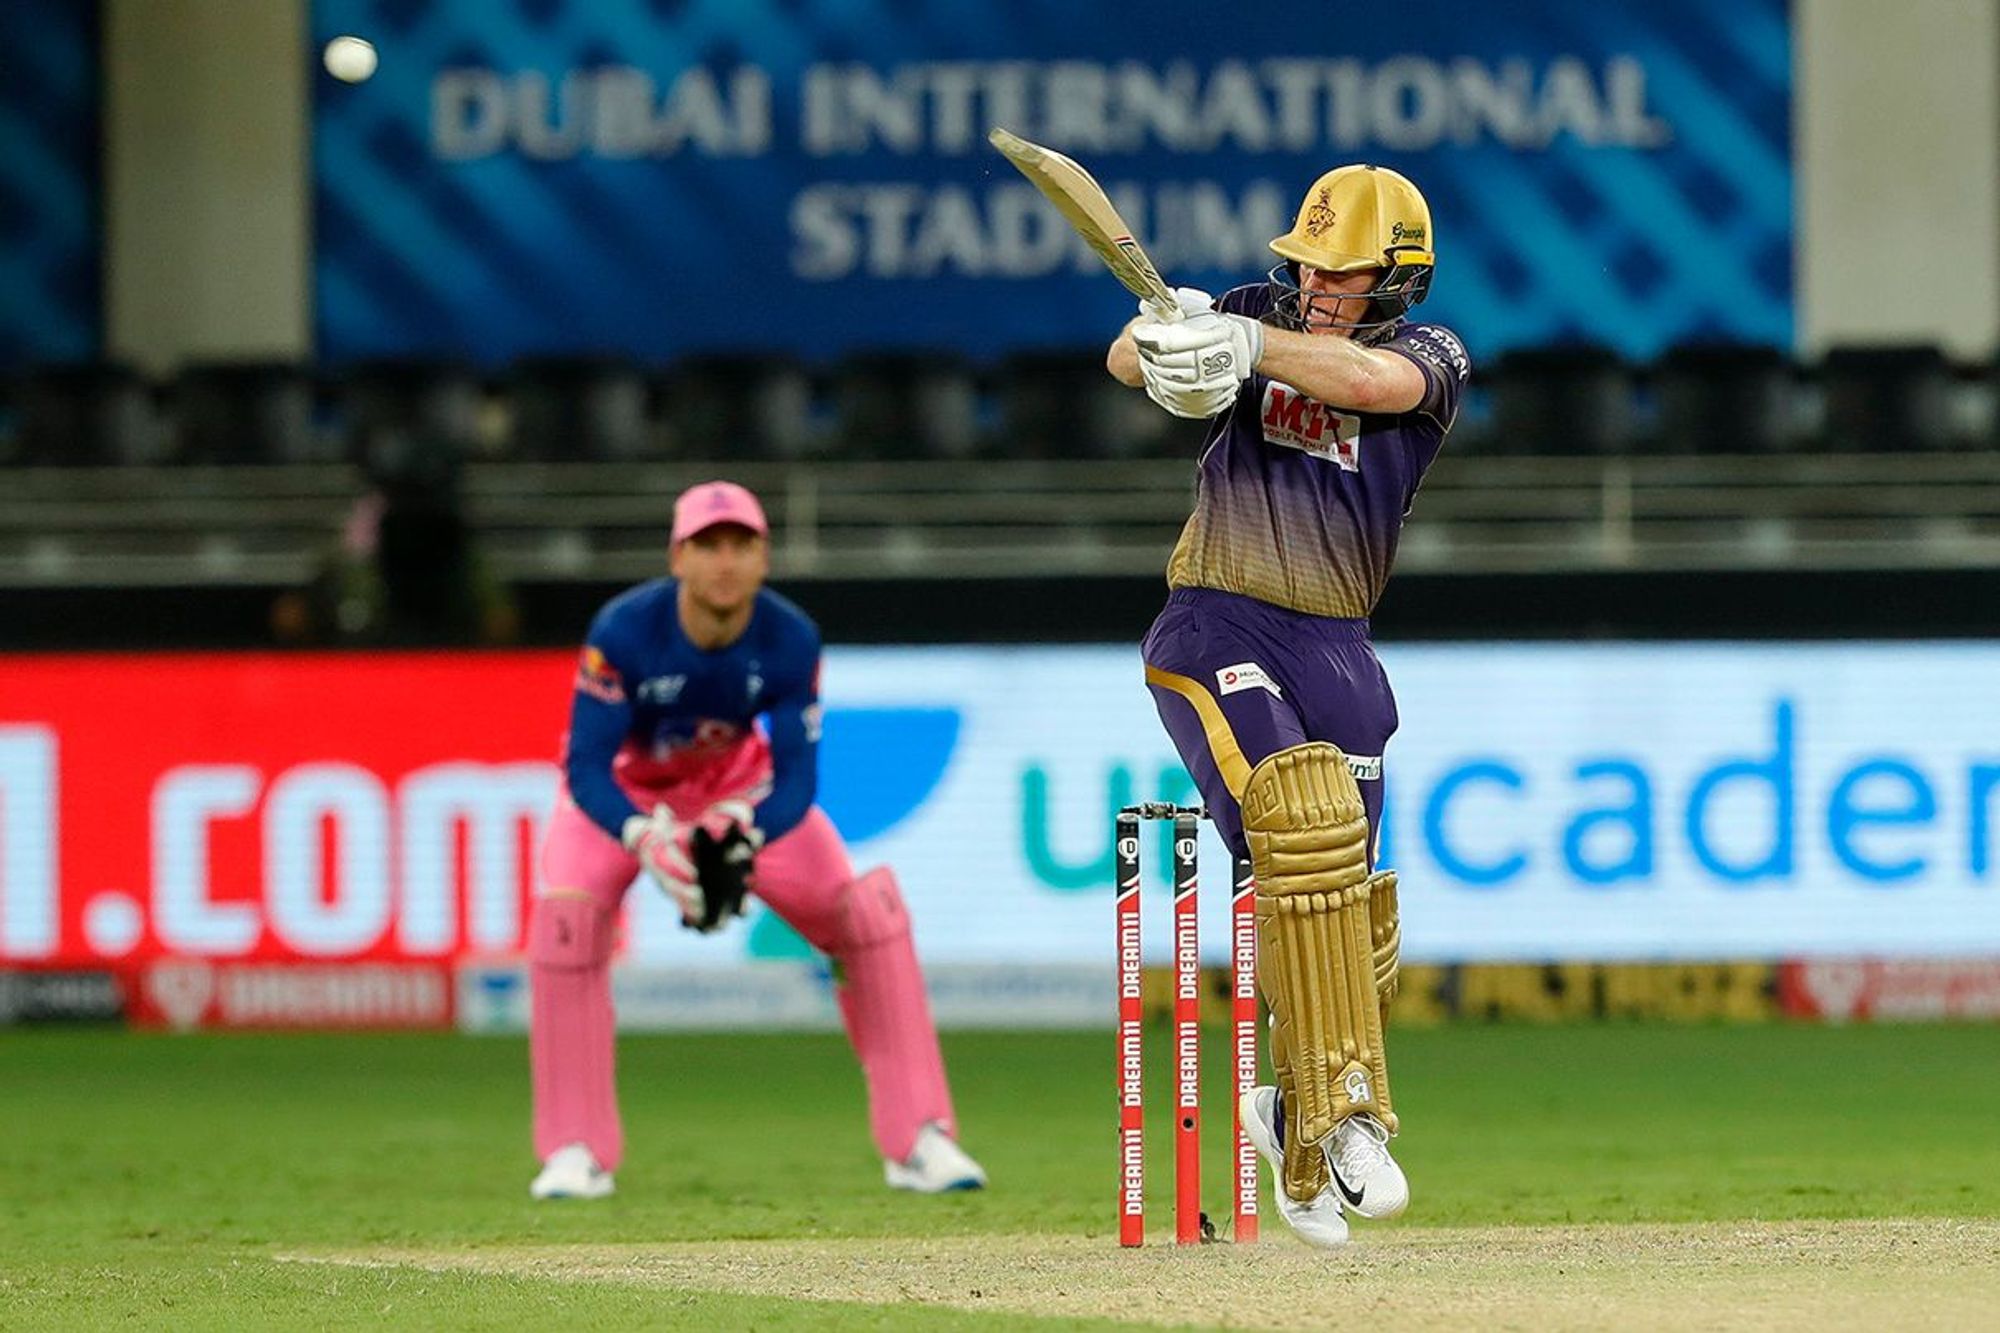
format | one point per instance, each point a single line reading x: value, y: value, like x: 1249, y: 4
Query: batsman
x: 1326, y: 406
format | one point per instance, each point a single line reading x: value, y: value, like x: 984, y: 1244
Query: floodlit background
x: 358, y: 397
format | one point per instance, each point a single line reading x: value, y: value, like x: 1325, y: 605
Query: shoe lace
x: 1368, y: 1147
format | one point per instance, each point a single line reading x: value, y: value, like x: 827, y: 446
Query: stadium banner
x: 185, y: 994
x: 50, y: 142
x: 1606, y: 803
x: 55, y: 995
x: 523, y: 177
x: 798, y: 995
x: 649, y: 997
x: 1890, y: 990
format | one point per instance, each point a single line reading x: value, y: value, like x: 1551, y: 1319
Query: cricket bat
x: 1083, y: 201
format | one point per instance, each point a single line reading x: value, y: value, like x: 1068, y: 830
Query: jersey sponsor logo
x: 1364, y: 767
x: 661, y: 689
x: 1246, y: 676
x: 596, y: 677
x: 1440, y: 347
x: 1299, y: 422
x: 701, y: 736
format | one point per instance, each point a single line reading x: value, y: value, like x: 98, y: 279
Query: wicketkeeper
x: 666, y: 770
x: 1326, y: 407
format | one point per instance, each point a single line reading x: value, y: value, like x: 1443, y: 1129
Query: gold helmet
x: 1354, y: 218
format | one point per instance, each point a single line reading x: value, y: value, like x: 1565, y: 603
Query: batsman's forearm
x: 1123, y: 359
x: 1337, y: 372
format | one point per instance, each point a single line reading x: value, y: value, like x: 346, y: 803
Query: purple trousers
x: 1236, y: 680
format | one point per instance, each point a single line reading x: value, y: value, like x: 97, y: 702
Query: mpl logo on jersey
x: 1298, y: 422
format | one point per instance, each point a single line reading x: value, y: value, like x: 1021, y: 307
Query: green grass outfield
x: 174, y: 1181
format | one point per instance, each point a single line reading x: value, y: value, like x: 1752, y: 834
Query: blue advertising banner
x: 528, y: 175
x: 49, y: 306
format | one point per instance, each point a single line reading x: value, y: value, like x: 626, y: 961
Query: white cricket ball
x: 349, y: 59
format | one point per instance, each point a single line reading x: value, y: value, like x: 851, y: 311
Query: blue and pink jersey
x: 651, y: 711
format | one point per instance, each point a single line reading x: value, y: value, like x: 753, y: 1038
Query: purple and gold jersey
x: 1300, y: 504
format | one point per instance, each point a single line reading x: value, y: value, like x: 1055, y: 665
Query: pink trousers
x: 806, y: 878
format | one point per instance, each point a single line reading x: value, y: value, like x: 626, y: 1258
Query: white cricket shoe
x: 1363, y: 1171
x: 571, y: 1173
x: 1319, y: 1221
x: 936, y: 1164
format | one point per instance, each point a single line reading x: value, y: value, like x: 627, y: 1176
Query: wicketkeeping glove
x: 663, y: 845
x: 722, y: 866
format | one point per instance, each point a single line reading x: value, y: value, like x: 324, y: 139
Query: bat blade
x: 1083, y: 202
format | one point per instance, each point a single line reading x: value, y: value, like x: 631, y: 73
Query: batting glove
x: 1195, y: 367
x: 1193, y: 301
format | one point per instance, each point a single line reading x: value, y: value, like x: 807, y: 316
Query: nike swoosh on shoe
x: 1353, y: 1196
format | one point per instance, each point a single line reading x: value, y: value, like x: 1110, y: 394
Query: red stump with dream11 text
x: 1191, y: 1224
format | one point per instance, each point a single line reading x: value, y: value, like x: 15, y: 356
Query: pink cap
x: 712, y: 502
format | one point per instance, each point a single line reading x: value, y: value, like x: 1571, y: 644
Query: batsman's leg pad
x: 888, y: 1015
x: 1385, y: 927
x: 1308, y: 835
x: 570, y: 1042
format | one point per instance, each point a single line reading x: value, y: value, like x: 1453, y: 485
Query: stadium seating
x: 567, y: 408
x: 247, y: 412
x: 1884, y: 398
x: 83, y: 414
x: 1571, y: 400
x: 440, y: 400
x: 1560, y: 400
x: 905, y: 405
x: 1722, y: 398
x: 740, y: 405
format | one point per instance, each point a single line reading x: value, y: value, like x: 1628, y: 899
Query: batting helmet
x: 1353, y: 218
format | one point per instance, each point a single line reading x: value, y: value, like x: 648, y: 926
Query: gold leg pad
x: 1316, y: 959
x: 1385, y: 928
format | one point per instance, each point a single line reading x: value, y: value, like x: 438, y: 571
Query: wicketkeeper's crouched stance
x: 665, y: 771
x: 1326, y: 409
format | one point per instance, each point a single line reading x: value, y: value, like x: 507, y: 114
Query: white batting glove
x: 1193, y: 301
x: 661, y: 843
x: 1195, y: 368
x: 1195, y: 402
